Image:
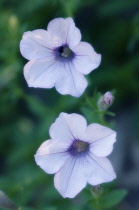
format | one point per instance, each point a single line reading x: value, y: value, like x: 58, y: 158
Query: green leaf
x: 112, y: 198
x: 110, y: 113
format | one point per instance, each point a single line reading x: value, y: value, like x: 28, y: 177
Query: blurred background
x: 112, y: 27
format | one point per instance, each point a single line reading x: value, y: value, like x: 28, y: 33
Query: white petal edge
x: 71, y: 179
x: 41, y: 73
x: 66, y: 30
x: 101, y: 139
x: 72, y: 82
x: 86, y: 59
x: 102, y: 170
x: 51, y: 156
x: 103, y: 147
x: 68, y: 127
x: 36, y: 44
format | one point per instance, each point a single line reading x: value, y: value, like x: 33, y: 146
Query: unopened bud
x: 105, y: 101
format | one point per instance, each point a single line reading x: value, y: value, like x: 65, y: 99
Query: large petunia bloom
x: 57, y: 57
x: 77, y: 154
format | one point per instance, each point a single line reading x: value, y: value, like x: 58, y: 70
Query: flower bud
x: 105, y: 101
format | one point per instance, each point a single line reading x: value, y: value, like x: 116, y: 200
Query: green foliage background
x: 112, y: 27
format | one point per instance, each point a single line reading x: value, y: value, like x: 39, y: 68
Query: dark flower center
x: 64, y: 52
x: 78, y: 147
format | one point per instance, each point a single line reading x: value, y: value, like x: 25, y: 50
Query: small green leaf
x: 112, y: 198
x: 110, y: 113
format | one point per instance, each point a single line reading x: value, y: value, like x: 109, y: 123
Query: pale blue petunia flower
x: 57, y: 57
x: 77, y: 154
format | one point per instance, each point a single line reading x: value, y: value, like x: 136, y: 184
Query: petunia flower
x: 57, y: 57
x: 77, y: 154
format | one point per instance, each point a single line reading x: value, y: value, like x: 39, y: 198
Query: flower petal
x: 68, y: 127
x: 66, y: 30
x: 101, y: 139
x: 102, y: 170
x: 71, y: 179
x: 72, y: 82
x: 86, y: 59
x: 36, y: 44
x: 51, y: 156
x: 41, y: 73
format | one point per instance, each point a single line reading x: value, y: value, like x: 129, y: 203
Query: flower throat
x: 78, y: 147
x: 65, y: 52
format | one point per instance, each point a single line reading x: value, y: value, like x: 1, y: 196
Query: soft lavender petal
x: 101, y: 139
x: 68, y: 127
x: 72, y: 82
x: 102, y: 170
x: 71, y: 179
x: 65, y: 30
x: 36, y: 44
x: 51, y: 156
x: 86, y: 59
x: 41, y: 73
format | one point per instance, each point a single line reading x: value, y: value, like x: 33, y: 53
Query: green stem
x: 97, y: 204
x: 102, y: 119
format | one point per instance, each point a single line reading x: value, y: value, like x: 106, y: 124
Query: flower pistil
x: 64, y: 52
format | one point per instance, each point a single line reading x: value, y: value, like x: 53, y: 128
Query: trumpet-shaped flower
x: 76, y: 153
x: 57, y: 57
